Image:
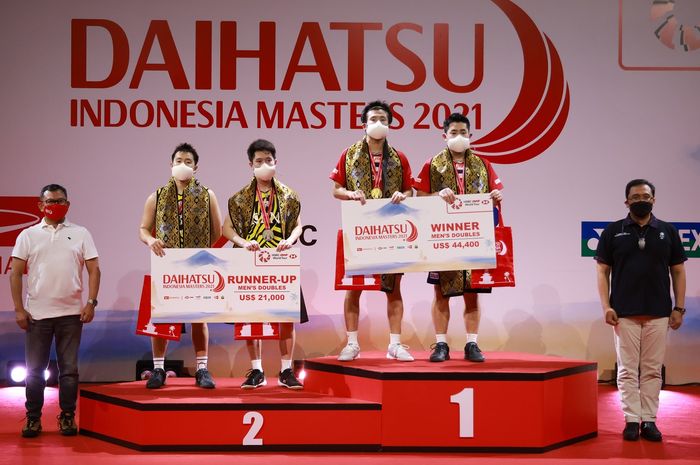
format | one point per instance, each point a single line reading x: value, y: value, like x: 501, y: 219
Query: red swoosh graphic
x: 220, y: 286
x: 542, y: 107
x: 414, y: 232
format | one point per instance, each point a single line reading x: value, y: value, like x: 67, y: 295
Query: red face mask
x: 55, y: 212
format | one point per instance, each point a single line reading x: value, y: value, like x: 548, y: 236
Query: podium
x: 511, y: 403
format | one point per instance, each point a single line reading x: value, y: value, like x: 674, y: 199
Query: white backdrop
x: 632, y: 112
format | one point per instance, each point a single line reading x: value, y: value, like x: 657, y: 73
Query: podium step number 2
x: 255, y: 420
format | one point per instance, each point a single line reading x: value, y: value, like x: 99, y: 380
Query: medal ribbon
x: 265, y: 212
x: 377, y: 170
x: 459, y: 172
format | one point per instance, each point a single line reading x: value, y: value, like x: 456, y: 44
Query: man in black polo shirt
x: 641, y: 251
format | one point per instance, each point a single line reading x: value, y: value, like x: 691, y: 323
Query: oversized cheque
x: 419, y: 234
x: 225, y: 285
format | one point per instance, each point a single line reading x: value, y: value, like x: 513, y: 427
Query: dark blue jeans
x: 39, y: 336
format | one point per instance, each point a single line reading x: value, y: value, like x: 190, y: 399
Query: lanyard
x: 459, y: 171
x: 265, y: 212
x: 377, y: 192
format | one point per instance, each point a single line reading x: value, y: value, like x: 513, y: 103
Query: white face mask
x: 182, y: 172
x: 264, y: 172
x: 458, y: 143
x: 377, y: 130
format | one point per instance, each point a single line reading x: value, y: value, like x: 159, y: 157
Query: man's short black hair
x: 185, y: 147
x: 53, y: 188
x: 639, y: 182
x: 377, y: 105
x: 455, y: 118
x: 261, y: 145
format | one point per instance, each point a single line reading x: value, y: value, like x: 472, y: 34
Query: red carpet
x: 679, y: 421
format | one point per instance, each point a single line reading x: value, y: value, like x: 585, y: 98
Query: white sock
x: 257, y: 364
x: 352, y: 337
x: 394, y: 338
x: 471, y: 337
x: 159, y: 362
x: 441, y: 338
x: 286, y: 364
x: 202, y: 362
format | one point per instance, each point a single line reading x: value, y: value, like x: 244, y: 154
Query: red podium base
x: 510, y: 403
x: 182, y: 417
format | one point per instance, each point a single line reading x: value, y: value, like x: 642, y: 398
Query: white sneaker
x: 349, y: 352
x: 398, y: 352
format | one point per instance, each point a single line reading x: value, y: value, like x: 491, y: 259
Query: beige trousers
x: 640, y: 343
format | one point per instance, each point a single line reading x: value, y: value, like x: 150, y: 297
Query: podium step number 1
x: 465, y: 400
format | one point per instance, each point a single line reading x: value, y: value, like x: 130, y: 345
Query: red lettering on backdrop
x: 405, y: 56
x: 236, y: 114
x: 265, y: 119
x: 324, y: 64
x: 356, y: 50
x: 229, y: 53
x: 120, y: 120
x: 398, y: 120
x: 318, y: 115
x: 202, y: 55
x: 441, y: 53
x: 160, y: 30
x: 120, y: 53
x: 297, y: 115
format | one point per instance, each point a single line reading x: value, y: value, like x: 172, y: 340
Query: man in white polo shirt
x: 53, y: 252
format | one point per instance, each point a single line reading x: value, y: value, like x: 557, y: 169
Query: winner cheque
x: 225, y: 285
x: 419, y: 234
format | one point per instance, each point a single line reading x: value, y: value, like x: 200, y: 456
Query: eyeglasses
x: 638, y: 197
x: 55, y: 201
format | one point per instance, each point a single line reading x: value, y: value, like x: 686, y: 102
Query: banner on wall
x: 689, y: 234
x: 225, y: 286
x: 419, y: 234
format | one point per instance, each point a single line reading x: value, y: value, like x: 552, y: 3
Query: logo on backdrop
x: 689, y: 234
x: 542, y: 107
x: 659, y: 35
x: 673, y: 25
x: 16, y: 214
x: 534, y: 122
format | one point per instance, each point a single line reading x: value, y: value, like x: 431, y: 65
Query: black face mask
x: 641, y: 209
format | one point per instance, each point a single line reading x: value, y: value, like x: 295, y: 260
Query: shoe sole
x: 31, y: 434
x: 248, y: 386
x: 474, y: 361
x: 348, y: 359
x: 391, y: 357
x: 212, y: 386
x: 69, y: 433
x: 294, y: 388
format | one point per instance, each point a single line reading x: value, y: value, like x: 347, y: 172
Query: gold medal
x: 376, y: 193
x: 267, y: 235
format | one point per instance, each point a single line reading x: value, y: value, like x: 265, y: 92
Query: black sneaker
x: 66, y: 424
x: 254, y: 379
x: 288, y: 379
x: 32, y: 428
x: 203, y: 379
x: 441, y: 352
x: 650, y: 432
x: 157, y: 379
x: 473, y: 353
x: 631, y: 431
